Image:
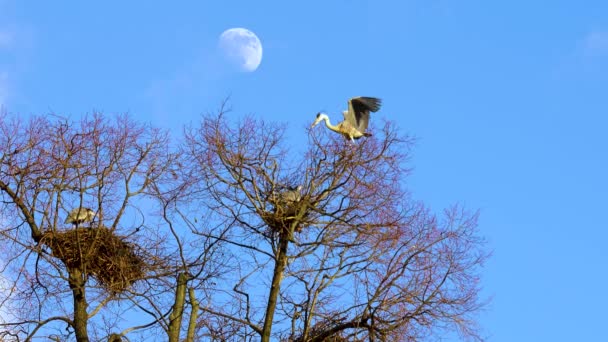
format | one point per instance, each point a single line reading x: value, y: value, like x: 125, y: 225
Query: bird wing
x: 291, y: 194
x: 359, y: 109
x: 72, y: 216
x: 78, y: 214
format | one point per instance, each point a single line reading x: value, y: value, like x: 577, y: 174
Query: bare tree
x: 67, y: 275
x: 350, y: 256
x: 233, y: 235
x: 198, y: 260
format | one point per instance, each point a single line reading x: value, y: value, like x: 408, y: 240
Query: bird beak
x: 316, y: 122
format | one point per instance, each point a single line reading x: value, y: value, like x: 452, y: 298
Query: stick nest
x: 282, y: 218
x: 98, y: 252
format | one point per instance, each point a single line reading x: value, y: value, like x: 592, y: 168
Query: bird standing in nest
x: 80, y: 215
x: 285, y: 202
x: 356, y: 118
x: 292, y: 194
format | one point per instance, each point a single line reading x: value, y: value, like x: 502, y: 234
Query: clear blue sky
x: 509, y: 101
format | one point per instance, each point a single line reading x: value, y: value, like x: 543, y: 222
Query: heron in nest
x: 286, y: 205
x: 80, y: 215
x: 286, y: 197
x: 356, y: 118
x: 291, y: 195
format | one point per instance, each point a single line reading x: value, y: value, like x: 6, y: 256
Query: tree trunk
x: 81, y: 317
x: 193, y: 315
x: 175, y: 319
x: 279, y: 268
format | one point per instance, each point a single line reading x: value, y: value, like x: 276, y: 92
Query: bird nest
x: 98, y: 252
x: 281, y: 220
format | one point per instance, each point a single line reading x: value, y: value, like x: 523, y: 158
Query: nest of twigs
x: 100, y: 253
x: 281, y: 219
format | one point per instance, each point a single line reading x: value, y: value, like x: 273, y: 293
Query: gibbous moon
x: 242, y: 48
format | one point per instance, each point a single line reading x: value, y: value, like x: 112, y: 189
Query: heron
x: 356, y: 118
x: 287, y: 206
x: 80, y: 215
x: 291, y: 195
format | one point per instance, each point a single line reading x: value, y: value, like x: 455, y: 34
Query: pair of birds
x: 354, y: 126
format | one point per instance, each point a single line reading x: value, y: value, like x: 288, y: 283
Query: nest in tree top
x: 281, y: 219
x: 99, y: 253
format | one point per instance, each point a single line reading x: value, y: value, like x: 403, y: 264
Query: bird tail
x: 364, y: 135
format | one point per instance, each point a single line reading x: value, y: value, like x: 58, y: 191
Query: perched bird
x: 356, y: 118
x: 80, y: 215
x: 287, y: 206
x: 291, y: 195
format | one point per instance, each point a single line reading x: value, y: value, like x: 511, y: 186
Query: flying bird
x: 80, y: 215
x: 356, y: 118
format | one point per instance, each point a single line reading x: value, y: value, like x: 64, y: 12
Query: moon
x: 242, y: 48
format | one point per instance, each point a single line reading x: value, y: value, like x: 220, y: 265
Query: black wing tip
x: 372, y: 103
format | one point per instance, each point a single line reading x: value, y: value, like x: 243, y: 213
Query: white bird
x: 356, y: 118
x: 80, y: 215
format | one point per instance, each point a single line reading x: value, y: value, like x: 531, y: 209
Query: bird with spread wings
x: 356, y: 118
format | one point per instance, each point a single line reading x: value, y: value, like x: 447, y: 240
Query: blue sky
x: 508, y: 102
